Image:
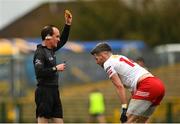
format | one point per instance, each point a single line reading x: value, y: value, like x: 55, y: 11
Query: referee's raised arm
x: 65, y: 33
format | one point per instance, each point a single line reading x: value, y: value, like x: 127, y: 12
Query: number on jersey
x: 127, y: 61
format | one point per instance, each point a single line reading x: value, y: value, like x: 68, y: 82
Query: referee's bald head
x: 100, y: 47
x: 47, y: 31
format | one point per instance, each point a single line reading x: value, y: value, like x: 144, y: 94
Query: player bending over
x: 147, y: 90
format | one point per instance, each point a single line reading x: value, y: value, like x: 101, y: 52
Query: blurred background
x: 135, y: 28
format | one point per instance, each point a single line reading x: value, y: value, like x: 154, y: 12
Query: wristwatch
x: 54, y: 68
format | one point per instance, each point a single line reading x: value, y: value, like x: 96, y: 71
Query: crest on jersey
x: 38, y: 62
x: 50, y: 58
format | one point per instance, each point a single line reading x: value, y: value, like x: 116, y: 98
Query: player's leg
x: 149, y: 92
x: 146, y: 115
x: 131, y: 118
x: 136, y: 109
x: 142, y: 119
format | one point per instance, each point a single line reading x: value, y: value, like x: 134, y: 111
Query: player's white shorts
x: 140, y: 108
x: 148, y: 95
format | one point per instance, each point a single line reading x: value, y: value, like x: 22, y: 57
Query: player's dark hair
x: 47, y: 31
x: 100, y: 47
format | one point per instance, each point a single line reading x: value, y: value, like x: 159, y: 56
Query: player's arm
x: 122, y: 95
x: 66, y: 29
x: 114, y: 77
x: 119, y: 87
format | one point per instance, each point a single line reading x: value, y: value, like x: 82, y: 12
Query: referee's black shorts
x: 48, y: 103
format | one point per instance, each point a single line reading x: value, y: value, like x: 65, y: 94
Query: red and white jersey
x: 128, y: 71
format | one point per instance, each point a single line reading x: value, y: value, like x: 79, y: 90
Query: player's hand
x: 61, y: 67
x: 68, y: 17
x: 123, y: 117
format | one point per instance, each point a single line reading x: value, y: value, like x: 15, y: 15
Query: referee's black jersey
x: 45, y: 61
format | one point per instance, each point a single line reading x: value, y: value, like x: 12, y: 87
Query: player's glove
x: 123, y: 117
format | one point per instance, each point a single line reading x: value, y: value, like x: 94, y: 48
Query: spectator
x: 96, y: 106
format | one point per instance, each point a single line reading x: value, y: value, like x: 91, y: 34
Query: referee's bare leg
x: 57, y: 120
x: 54, y: 120
x: 42, y: 120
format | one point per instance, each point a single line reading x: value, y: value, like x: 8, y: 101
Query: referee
x: 48, y: 103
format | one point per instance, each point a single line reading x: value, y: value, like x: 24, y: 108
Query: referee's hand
x: 68, y: 17
x: 123, y: 117
x: 61, y: 67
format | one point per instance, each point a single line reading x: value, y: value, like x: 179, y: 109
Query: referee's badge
x: 38, y: 62
x: 50, y: 58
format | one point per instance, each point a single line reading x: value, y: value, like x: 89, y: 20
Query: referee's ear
x: 47, y: 32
